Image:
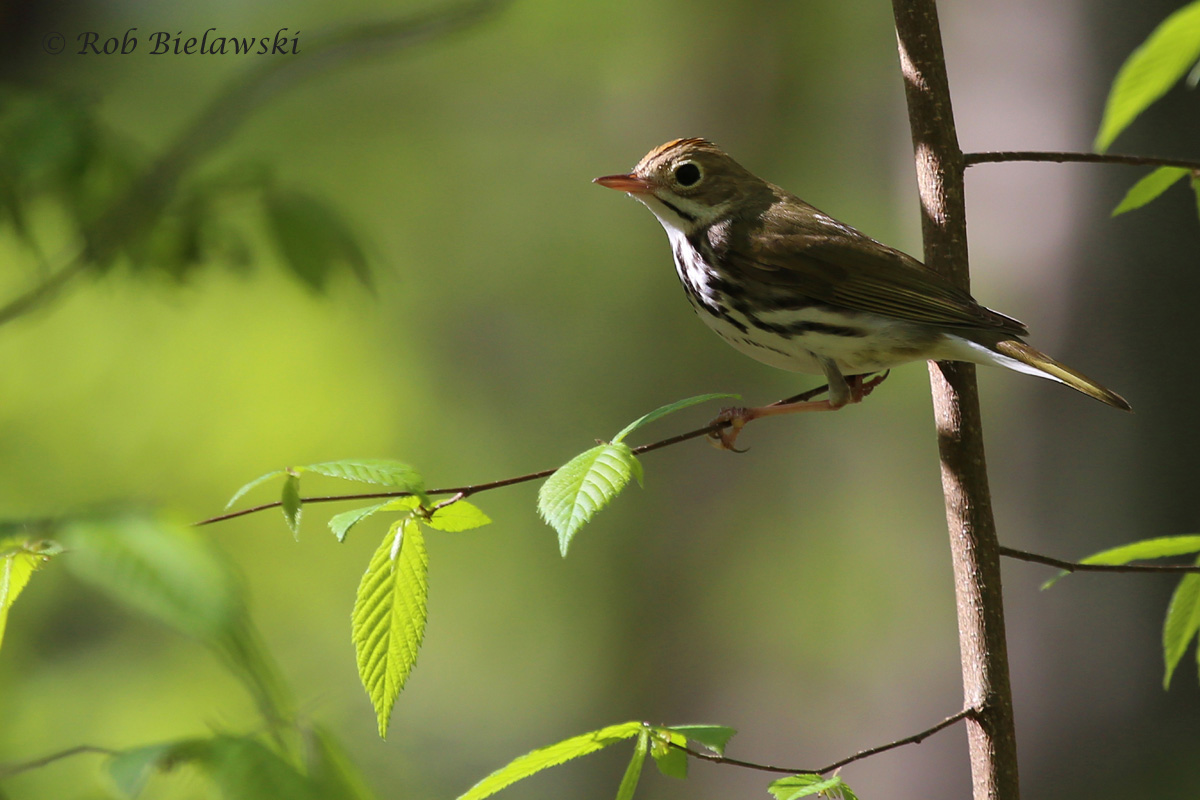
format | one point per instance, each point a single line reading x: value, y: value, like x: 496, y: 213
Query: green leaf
x: 1151, y: 70
x: 132, y: 769
x: 670, y: 408
x: 292, y: 507
x: 1182, y: 623
x: 536, y: 761
x: 671, y: 761
x: 633, y: 772
x: 808, y: 785
x: 260, y: 479
x: 380, y: 471
x: 313, y: 238
x: 1161, y: 547
x: 389, y: 616
x: 714, y: 737
x: 20, y: 557
x: 341, y: 524
x: 246, y: 769
x: 1149, y: 188
x: 160, y: 568
x: 584, y: 485
x: 458, y: 516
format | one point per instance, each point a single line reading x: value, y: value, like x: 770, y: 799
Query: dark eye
x: 687, y: 174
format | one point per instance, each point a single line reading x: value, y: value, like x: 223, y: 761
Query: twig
x: 241, y: 97
x: 476, y: 488
x: 916, y: 738
x: 971, y: 159
x: 1077, y: 566
x: 9, y: 770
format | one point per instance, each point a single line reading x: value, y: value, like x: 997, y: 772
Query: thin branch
x: 242, y: 96
x: 476, y: 488
x: 1077, y: 566
x: 9, y: 770
x: 916, y: 738
x: 971, y: 159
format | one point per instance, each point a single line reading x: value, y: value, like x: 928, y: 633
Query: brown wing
x: 820, y: 258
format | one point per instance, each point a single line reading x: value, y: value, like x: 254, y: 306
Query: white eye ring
x: 681, y: 174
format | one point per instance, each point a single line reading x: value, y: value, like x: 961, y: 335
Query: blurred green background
x: 800, y: 592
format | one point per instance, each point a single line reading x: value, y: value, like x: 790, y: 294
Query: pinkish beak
x: 625, y: 183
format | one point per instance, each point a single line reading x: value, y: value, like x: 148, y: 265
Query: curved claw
x: 726, y: 438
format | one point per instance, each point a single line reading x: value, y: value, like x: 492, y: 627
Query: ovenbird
x: 794, y: 288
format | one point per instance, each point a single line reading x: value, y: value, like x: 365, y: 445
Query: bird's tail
x: 1036, y: 362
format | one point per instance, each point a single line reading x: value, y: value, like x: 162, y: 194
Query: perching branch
x: 971, y: 159
x: 975, y: 549
x: 476, y: 488
x: 240, y: 98
x: 916, y: 738
x: 1076, y: 566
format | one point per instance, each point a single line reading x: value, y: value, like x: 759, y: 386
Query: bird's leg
x: 855, y: 389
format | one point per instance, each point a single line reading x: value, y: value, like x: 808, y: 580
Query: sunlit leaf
x: 584, y: 485
x: 20, y: 557
x: 634, y: 771
x: 260, y: 479
x: 1149, y: 188
x: 458, y: 516
x: 671, y: 761
x: 341, y: 524
x: 810, y: 784
x: 536, y: 761
x: 290, y: 502
x: 1151, y: 70
x: 1182, y: 623
x: 381, y: 471
x: 389, y: 616
x: 714, y: 737
x: 670, y: 408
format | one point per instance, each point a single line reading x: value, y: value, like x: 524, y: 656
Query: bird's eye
x: 687, y: 174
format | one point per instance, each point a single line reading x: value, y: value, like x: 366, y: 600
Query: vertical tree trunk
x: 973, y: 541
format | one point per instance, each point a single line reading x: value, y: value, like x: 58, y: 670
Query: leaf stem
x: 916, y: 738
x: 1077, y: 566
x: 999, y: 156
x: 9, y: 770
x: 476, y: 488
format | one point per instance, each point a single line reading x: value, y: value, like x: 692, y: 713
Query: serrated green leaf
x: 534, y: 762
x: 583, y: 486
x: 1160, y: 547
x: 1148, y: 188
x: 633, y: 772
x: 1151, y: 70
x: 260, y: 479
x: 291, y: 504
x: 458, y: 516
x: 313, y: 238
x: 389, y: 616
x: 670, y: 408
x: 1181, y: 624
x: 671, y: 761
x: 20, y: 557
x: 714, y: 737
x: 341, y: 523
x: 810, y: 784
x: 380, y: 471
